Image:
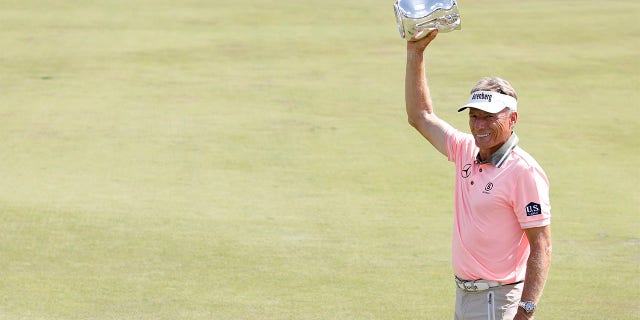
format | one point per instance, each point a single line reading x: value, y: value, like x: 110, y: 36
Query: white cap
x: 490, y: 101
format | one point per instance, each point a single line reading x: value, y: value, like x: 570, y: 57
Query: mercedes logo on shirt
x: 466, y: 170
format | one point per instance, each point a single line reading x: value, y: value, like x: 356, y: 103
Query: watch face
x: 529, y: 306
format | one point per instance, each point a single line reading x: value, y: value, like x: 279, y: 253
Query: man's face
x: 491, y: 130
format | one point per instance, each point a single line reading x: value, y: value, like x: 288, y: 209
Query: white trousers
x: 500, y: 303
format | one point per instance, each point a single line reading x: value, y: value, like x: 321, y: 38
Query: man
x: 501, y: 236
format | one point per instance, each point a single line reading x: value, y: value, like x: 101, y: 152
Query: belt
x: 480, y: 285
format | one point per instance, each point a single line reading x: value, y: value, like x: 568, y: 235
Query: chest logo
x: 533, y: 209
x: 488, y: 187
x: 466, y: 171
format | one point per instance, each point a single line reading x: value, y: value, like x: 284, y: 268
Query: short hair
x: 495, y: 84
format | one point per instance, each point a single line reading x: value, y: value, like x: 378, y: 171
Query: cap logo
x: 481, y: 96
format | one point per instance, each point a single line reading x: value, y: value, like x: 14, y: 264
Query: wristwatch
x: 528, y: 306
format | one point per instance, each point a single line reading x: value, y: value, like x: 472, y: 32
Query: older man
x: 501, y: 236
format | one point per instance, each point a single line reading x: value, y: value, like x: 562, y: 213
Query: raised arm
x: 418, y: 99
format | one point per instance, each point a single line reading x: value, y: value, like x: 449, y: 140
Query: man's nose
x: 479, y: 124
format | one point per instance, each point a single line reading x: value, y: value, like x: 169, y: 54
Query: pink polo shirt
x: 494, y: 203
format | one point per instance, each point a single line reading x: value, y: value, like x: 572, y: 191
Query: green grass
x: 202, y: 160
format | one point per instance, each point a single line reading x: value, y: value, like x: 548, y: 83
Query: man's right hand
x: 419, y: 45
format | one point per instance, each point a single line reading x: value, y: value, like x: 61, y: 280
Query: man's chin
x: 484, y: 144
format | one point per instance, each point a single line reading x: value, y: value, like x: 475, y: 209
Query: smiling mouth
x: 482, y: 135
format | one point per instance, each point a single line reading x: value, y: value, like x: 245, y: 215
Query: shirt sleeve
x: 532, y: 205
x: 455, y: 141
x: 460, y: 144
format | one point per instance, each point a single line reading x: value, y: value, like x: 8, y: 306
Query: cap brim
x: 484, y: 106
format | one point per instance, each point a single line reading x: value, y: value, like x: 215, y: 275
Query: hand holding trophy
x: 416, y: 18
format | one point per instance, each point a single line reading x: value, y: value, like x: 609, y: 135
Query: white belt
x: 479, y: 285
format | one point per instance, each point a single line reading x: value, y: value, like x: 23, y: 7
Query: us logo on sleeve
x: 533, y: 209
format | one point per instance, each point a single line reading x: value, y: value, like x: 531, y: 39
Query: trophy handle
x: 437, y: 22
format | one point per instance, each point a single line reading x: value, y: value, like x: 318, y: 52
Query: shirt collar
x: 498, y: 158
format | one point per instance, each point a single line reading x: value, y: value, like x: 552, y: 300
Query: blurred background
x: 252, y: 160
